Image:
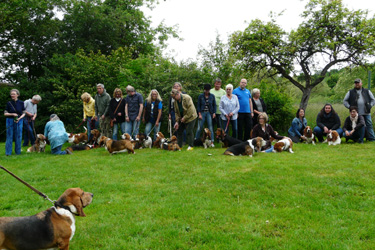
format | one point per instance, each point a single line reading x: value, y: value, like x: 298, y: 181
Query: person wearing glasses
x: 364, y: 100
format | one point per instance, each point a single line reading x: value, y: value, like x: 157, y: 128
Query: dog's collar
x: 59, y: 205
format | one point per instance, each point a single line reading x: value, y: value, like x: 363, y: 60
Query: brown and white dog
x: 309, y: 135
x: 225, y: 139
x: 39, y: 145
x: 285, y: 144
x: 246, y: 148
x: 96, y: 136
x: 120, y: 146
x: 172, y: 144
x: 78, y: 138
x: 160, y: 139
x: 52, y: 228
x: 205, y: 140
x: 333, y: 138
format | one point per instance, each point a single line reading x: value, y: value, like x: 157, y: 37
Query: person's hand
x: 156, y: 124
x: 15, y: 114
x: 176, y: 126
x: 114, y: 119
x: 138, y: 118
x: 102, y: 117
x: 119, y: 114
x: 303, y: 137
x: 200, y: 116
x: 213, y: 116
x: 252, y: 114
x: 127, y: 119
x: 326, y: 130
x: 83, y: 120
x: 230, y: 114
x: 169, y: 116
x: 347, y: 133
x: 183, y: 120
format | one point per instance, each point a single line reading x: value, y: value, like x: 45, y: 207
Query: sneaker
x: 212, y: 145
x: 189, y: 148
x: 68, y: 152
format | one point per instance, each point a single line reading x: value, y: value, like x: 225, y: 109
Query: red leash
x: 227, y: 125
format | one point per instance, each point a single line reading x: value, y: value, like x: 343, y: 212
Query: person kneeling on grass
x: 56, y: 134
x: 354, y: 126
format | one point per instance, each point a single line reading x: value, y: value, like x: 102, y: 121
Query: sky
x: 199, y: 21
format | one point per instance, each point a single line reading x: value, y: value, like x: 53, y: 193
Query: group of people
x: 238, y: 108
x: 357, y: 125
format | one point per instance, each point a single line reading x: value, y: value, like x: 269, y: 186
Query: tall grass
x: 321, y: 197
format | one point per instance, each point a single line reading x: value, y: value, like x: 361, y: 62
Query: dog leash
x: 227, y: 125
x: 170, y: 127
x: 28, y: 185
x: 151, y: 130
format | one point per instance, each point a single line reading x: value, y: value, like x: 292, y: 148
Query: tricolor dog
x: 333, y: 138
x: 172, y: 145
x: 246, y: 148
x: 285, y: 144
x: 52, y: 228
x: 146, y: 141
x: 225, y: 139
x: 96, y: 136
x: 309, y: 135
x: 120, y: 146
x: 78, y: 138
x: 205, y: 140
x: 39, y: 145
x: 160, y: 139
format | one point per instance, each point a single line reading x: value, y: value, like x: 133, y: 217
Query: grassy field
x: 321, y: 197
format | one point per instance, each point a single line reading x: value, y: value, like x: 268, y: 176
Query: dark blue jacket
x: 202, y: 103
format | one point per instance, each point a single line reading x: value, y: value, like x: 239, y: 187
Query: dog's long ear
x: 77, y: 202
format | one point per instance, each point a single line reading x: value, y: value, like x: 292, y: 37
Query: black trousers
x: 245, y: 125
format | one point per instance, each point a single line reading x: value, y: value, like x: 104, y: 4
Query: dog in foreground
x: 52, y: 228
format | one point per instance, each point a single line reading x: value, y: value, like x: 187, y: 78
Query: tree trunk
x: 305, y: 98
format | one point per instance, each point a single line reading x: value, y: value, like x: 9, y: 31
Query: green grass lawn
x: 320, y: 197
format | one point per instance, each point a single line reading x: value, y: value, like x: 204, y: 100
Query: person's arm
x: 337, y: 122
x: 126, y: 113
x: 139, y: 112
x: 372, y: 99
x: 251, y: 107
x: 295, y: 127
x: 346, y: 100
x: 143, y: 114
x: 158, y: 119
x: 273, y: 134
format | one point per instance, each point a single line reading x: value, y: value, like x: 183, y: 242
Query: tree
x: 330, y: 35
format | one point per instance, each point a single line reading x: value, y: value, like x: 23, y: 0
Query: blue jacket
x: 202, y: 102
x: 56, y: 134
x: 297, y: 126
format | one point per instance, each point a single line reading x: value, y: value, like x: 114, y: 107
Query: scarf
x: 354, y: 121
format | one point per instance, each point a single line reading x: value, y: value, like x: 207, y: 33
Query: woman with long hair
x: 326, y: 121
x: 299, y: 123
x: 152, y: 112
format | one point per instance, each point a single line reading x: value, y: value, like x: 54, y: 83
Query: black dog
x: 225, y: 139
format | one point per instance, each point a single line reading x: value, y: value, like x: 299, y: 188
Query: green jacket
x: 190, y: 113
x: 102, y: 104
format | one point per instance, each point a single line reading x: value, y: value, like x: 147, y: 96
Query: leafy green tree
x: 330, y: 35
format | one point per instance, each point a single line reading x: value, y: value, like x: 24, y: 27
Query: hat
x: 207, y: 86
x: 357, y: 80
x: 52, y: 116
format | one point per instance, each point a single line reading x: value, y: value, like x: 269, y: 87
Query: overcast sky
x: 200, y: 20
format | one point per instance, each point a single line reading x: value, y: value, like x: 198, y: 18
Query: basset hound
x: 144, y: 140
x: 309, y: 135
x: 78, y: 138
x: 246, y: 148
x: 333, y: 138
x: 160, y: 139
x: 52, y: 228
x: 95, y: 139
x: 205, y: 140
x: 172, y: 144
x: 225, y: 139
x: 120, y: 146
x: 285, y: 144
x: 39, y: 145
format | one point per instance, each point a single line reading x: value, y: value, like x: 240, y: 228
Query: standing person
x: 245, y: 114
x: 172, y: 112
x: 258, y: 105
x: 117, y: 112
x: 152, y: 112
x: 133, y: 111
x: 354, y: 126
x: 186, y: 115
x: 102, y: 100
x: 14, y: 112
x: 55, y: 132
x: 265, y: 130
x: 206, y: 111
x: 31, y: 106
x: 218, y: 92
x: 364, y: 100
x: 229, y: 107
x: 295, y: 132
x: 326, y: 121
x: 89, y: 113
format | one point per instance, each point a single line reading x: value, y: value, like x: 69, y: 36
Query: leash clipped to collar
x: 28, y: 185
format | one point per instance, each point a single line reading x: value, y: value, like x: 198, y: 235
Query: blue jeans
x: 156, y: 129
x: 234, y: 127
x: 358, y: 135
x: 14, y: 133
x: 132, y: 128
x: 319, y: 133
x: 206, y: 116
x: 28, y: 126
x: 369, y: 128
x: 57, y: 151
x: 116, y: 126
